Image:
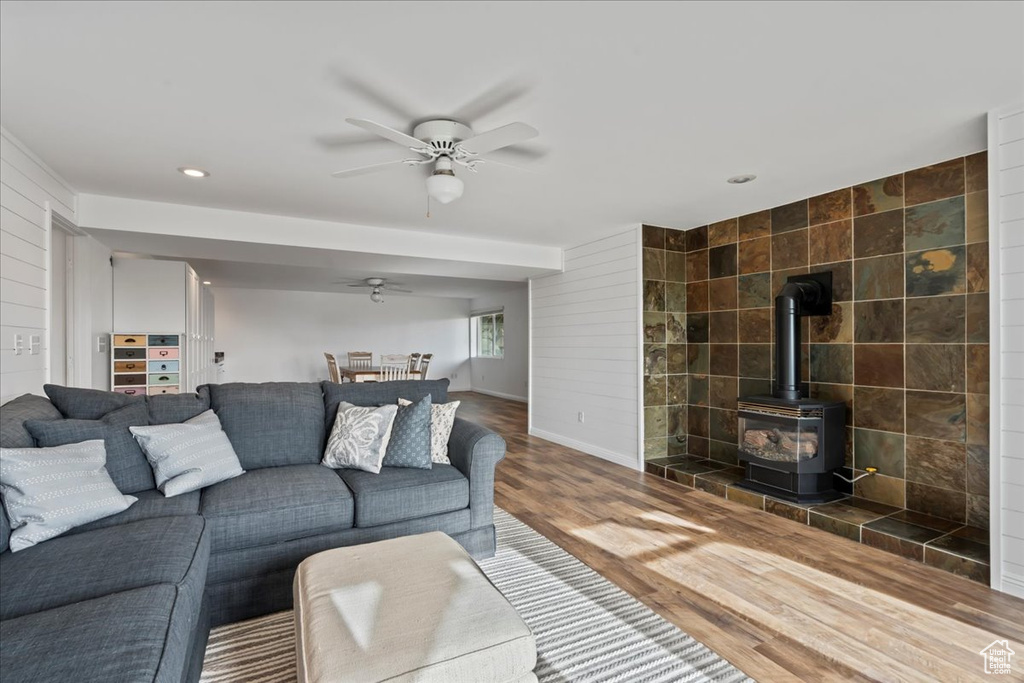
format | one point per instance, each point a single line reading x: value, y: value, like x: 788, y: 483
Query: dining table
x: 367, y: 373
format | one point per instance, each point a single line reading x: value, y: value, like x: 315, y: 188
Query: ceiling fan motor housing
x: 442, y: 133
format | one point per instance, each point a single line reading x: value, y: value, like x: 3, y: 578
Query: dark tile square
x: 722, y: 232
x: 831, y: 242
x: 676, y: 420
x: 654, y: 390
x: 697, y: 328
x: 697, y: 265
x: 879, y: 321
x: 936, y: 224
x: 755, y: 360
x: 676, y: 358
x: 723, y: 294
x: 696, y: 296
x: 654, y: 327
x: 723, y: 425
x: 836, y: 328
x: 675, y: 328
x: 654, y: 264
x: 698, y: 390
x: 978, y: 511
x: 754, y: 387
x: 724, y: 360
x: 978, y: 419
x: 698, y: 446
x: 754, y: 290
x: 936, y: 463
x: 724, y: 391
x: 697, y: 238
x: 722, y: 261
x: 937, y: 502
x: 755, y: 256
x: 781, y: 277
x: 723, y: 327
x: 879, y: 365
x: 944, y: 526
x: 675, y: 266
x: 936, y: 320
x: 884, y: 450
x: 854, y: 510
x: 977, y: 267
x: 782, y: 508
x: 976, y: 217
x: 831, y: 206
x: 905, y: 530
x: 675, y: 240
x: 833, y: 525
x: 789, y: 250
x: 978, y: 459
x: 654, y: 237
x: 655, y: 359
x: 755, y: 225
x: 936, y: 367
x: 934, y: 182
x: 878, y: 195
x: 967, y: 542
x: 698, y: 358
x: 755, y: 326
x: 717, y: 482
x: 880, y: 277
x: 878, y: 408
x: 881, y: 489
x: 675, y: 297
x: 832, y: 363
x: 677, y: 445
x: 976, y: 172
x: 676, y: 387
x: 956, y: 564
x: 842, y: 393
x: 842, y: 279
x: 977, y: 368
x: 937, y: 271
x: 655, y: 421
x: 878, y: 234
x: 903, y: 547
x: 744, y: 497
x: 789, y: 217
x: 699, y: 421
x: 936, y: 415
x: 654, y: 295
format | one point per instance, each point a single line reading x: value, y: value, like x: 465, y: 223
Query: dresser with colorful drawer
x: 146, y: 364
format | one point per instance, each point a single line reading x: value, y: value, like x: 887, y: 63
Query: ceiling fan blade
x: 531, y: 151
x: 491, y: 100
x: 396, y: 289
x: 499, y: 137
x: 347, y: 141
x: 363, y: 170
x: 361, y: 284
x: 488, y: 161
x: 389, y: 133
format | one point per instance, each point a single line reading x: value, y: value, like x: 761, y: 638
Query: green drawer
x: 163, y: 340
x: 164, y: 378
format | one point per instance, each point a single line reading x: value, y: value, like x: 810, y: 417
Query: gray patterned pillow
x: 410, y: 437
x: 47, y: 491
x: 360, y: 437
x: 442, y: 419
x: 188, y: 456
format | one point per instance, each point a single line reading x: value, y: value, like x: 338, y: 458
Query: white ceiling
x: 644, y: 108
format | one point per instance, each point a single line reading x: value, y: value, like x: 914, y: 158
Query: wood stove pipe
x: 795, y: 299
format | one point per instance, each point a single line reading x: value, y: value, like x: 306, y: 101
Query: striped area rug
x: 587, y: 628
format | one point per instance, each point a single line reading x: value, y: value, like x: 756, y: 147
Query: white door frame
x: 56, y: 223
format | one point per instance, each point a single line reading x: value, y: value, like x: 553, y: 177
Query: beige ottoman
x: 415, y: 608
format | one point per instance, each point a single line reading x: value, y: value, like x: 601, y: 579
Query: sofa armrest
x: 475, y: 451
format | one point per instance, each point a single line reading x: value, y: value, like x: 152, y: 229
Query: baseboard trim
x: 1014, y: 585
x: 589, y: 449
x: 498, y: 394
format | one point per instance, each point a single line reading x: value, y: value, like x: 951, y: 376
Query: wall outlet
x: 101, y: 344
x: 580, y: 417
x: 18, y: 344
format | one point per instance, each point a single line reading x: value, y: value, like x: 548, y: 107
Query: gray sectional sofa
x: 132, y: 597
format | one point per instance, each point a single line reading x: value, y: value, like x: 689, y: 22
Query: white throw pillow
x: 188, y: 456
x: 47, y: 491
x: 359, y: 437
x: 442, y: 419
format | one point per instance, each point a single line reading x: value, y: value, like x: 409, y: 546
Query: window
x: 489, y: 334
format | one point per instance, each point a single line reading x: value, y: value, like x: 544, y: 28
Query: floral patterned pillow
x: 442, y: 419
x: 360, y: 437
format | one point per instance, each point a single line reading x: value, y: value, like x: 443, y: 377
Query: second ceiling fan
x: 446, y: 144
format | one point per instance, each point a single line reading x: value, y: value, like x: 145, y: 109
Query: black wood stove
x: 792, y: 445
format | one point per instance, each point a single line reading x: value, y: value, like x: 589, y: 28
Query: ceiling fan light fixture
x: 375, y: 296
x: 444, y: 187
x: 193, y: 172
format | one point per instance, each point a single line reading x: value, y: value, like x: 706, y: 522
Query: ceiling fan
x: 377, y: 287
x: 445, y: 144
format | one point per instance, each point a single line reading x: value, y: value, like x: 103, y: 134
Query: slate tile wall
x: 906, y: 346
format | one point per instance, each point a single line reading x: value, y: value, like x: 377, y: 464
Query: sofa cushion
x: 136, y: 635
x: 150, y: 504
x: 380, y: 394
x: 272, y: 424
x: 126, y: 462
x: 87, y: 404
x: 69, y: 569
x: 276, y: 504
x: 173, y: 408
x: 399, y: 493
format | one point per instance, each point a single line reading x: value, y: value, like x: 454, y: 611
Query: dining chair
x: 424, y: 362
x: 360, y: 359
x: 332, y: 368
x: 414, y: 361
x: 395, y: 359
x: 392, y: 373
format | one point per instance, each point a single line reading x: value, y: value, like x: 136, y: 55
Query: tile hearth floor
x: 937, y: 542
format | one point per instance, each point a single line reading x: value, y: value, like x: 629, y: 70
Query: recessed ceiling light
x: 206, y: 282
x: 194, y: 172
x: 741, y: 179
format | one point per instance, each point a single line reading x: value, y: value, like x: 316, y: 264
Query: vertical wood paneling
x: 26, y: 186
x: 584, y: 350
x: 1006, y: 210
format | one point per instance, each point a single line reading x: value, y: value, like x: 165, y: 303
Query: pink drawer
x: 163, y: 354
x: 131, y: 391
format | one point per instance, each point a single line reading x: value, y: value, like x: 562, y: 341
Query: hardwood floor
x: 779, y: 600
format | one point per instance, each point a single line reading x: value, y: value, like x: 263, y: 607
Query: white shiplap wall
x: 26, y: 186
x: 1006, y: 211
x: 585, y: 346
